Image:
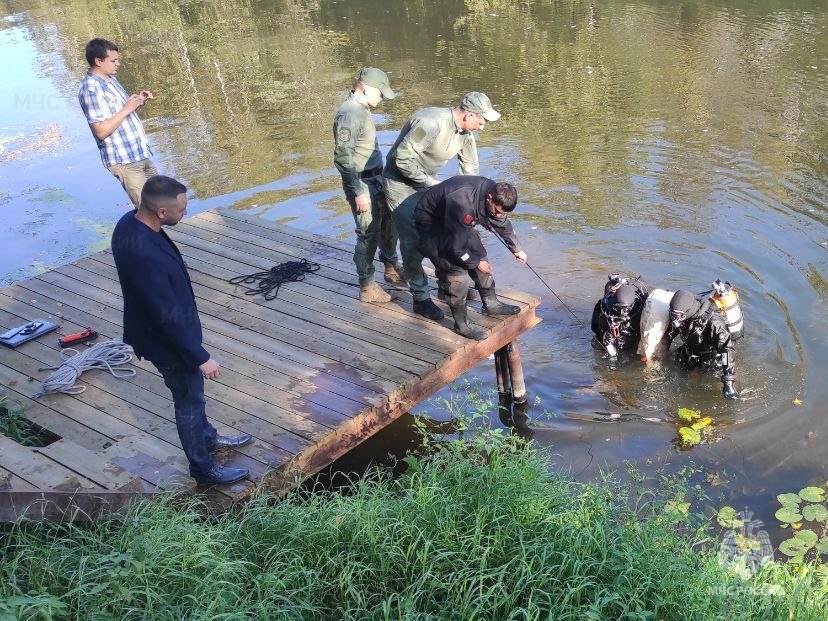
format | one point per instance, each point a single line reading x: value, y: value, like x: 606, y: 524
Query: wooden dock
x: 309, y: 374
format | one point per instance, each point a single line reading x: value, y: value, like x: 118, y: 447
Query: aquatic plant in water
x: 806, y: 509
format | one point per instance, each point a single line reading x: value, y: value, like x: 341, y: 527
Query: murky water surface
x: 682, y: 141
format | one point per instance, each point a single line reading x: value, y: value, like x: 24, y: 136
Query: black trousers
x: 452, y: 278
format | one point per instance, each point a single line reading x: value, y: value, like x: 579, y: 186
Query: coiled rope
x: 270, y: 281
x: 106, y: 355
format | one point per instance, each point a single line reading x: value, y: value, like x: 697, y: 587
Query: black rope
x: 270, y: 281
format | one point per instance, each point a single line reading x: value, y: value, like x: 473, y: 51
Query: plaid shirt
x: 102, y: 99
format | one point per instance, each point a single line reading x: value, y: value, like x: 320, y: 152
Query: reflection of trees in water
x: 244, y: 90
x: 611, y: 111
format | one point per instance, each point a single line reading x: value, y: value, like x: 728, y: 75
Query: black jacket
x: 160, y: 316
x: 446, y: 215
x: 707, y: 342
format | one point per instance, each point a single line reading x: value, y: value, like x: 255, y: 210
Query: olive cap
x: 480, y: 104
x: 376, y: 78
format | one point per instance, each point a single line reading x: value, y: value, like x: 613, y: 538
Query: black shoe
x: 221, y: 475
x: 493, y: 306
x: 427, y: 308
x: 230, y: 441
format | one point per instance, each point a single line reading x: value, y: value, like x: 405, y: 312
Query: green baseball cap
x: 480, y: 104
x: 376, y: 78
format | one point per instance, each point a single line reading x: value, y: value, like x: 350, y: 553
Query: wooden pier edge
x: 365, y: 424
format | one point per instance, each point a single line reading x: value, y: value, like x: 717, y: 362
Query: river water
x: 682, y: 141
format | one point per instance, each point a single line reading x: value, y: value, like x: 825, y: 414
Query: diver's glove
x: 728, y: 391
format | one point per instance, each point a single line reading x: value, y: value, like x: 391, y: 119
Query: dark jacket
x: 706, y: 342
x: 160, y: 316
x: 446, y: 215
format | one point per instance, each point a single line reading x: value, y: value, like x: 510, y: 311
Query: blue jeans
x: 197, y: 435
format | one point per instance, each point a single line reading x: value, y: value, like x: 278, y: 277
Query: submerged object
x: 725, y: 299
x: 655, y: 320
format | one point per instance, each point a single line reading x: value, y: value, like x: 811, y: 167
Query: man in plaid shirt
x: 113, y: 119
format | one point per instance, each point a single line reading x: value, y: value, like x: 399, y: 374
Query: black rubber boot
x: 493, y: 306
x: 462, y: 325
x: 427, y: 308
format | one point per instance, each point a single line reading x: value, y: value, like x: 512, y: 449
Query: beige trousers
x: 132, y: 176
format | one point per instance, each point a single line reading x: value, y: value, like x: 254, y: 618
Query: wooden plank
x: 318, y: 243
x: 56, y: 506
x: 343, y: 292
x: 38, y: 469
x: 77, y: 427
x: 55, y: 422
x: 300, y: 420
x: 261, y: 451
x: 148, y: 391
x: 342, y: 284
x: 398, y: 321
x: 156, y: 417
x: 9, y: 481
x: 265, y: 248
x: 284, y: 349
x: 162, y: 430
x: 273, y: 372
x: 90, y: 465
x: 98, y: 289
x: 219, y: 298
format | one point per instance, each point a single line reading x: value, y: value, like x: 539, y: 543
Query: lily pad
x: 702, y: 423
x: 817, y: 513
x: 688, y: 414
x: 822, y: 546
x: 807, y: 537
x: 793, y: 547
x: 812, y: 494
x: 689, y: 435
x: 789, y: 499
x: 728, y: 518
x: 676, y: 507
x: 788, y: 515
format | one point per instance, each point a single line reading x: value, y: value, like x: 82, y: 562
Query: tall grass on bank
x: 486, y: 534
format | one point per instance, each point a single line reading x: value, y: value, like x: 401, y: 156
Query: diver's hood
x: 685, y: 302
x: 625, y: 295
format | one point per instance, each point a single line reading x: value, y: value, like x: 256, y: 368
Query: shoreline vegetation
x: 477, y: 527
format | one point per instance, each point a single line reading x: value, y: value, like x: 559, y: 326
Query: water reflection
x: 681, y: 141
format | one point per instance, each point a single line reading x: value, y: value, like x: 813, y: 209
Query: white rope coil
x: 106, y: 355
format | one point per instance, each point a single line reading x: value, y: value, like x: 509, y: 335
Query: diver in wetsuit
x: 705, y: 340
x: 616, y: 317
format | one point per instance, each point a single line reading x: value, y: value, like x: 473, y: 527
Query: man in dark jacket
x: 705, y: 339
x: 445, y: 217
x: 161, y: 321
x: 616, y: 318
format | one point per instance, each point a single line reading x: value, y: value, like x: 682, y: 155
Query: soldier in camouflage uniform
x: 429, y: 139
x: 359, y: 161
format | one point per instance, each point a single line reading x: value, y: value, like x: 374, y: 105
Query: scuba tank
x: 725, y: 299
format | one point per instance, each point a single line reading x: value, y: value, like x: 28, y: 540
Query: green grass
x: 15, y: 425
x: 475, y: 531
